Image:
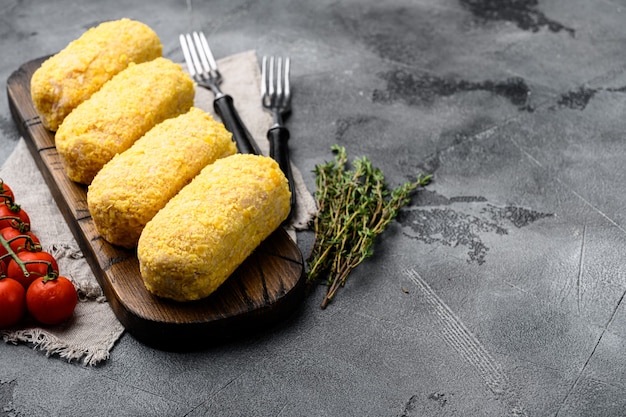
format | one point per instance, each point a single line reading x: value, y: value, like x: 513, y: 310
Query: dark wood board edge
x: 160, y: 334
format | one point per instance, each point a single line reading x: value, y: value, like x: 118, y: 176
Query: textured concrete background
x: 498, y: 292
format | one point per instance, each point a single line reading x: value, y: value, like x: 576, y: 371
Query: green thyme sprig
x: 355, y: 206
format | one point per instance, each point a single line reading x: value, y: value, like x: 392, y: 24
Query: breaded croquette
x: 71, y: 76
x: 192, y: 245
x: 118, y: 114
x: 131, y: 188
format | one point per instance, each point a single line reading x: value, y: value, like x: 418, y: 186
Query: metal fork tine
x: 186, y: 53
x: 279, y: 78
x: 275, y: 85
x: 287, y: 82
x: 195, y: 60
x: 199, y: 51
x: 207, y: 52
x: 272, y: 89
x: 264, y: 78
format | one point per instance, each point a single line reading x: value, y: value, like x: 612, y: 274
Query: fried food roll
x: 131, y: 188
x: 118, y: 114
x: 211, y: 226
x: 71, y: 76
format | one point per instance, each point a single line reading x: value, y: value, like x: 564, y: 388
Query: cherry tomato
x: 51, y: 300
x: 6, y: 194
x: 12, y: 215
x: 12, y: 302
x: 19, y: 241
x: 38, y: 264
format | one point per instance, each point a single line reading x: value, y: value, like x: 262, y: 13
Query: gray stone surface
x: 498, y: 292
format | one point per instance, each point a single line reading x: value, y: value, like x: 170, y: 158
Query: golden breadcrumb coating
x: 131, y: 188
x: 118, y: 114
x: 71, y: 76
x: 211, y: 226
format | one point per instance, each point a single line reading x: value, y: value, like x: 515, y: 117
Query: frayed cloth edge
x: 51, y: 345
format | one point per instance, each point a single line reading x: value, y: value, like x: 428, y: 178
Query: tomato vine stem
x: 6, y: 244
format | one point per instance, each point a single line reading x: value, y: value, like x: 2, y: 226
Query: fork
x: 276, y: 97
x: 203, y: 68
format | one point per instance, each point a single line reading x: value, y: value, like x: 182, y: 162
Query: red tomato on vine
x: 12, y: 215
x: 18, y: 242
x: 38, y: 264
x: 12, y: 302
x: 6, y: 194
x: 51, y: 300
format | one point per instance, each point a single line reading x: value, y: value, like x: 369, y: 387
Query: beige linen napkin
x: 92, y: 332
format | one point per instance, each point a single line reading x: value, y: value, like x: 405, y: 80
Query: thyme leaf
x: 355, y: 206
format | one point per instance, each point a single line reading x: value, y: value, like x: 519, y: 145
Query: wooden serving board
x: 268, y: 286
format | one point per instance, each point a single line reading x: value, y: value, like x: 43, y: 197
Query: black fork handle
x: 225, y: 107
x: 278, y: 136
